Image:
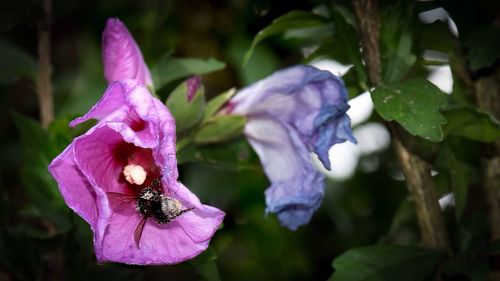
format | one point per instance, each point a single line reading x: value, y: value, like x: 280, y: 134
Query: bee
x: 151, y: 203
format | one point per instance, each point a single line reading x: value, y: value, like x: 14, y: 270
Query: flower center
x: 134, y: 174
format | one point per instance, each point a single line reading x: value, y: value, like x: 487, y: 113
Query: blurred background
x: 366, y: 201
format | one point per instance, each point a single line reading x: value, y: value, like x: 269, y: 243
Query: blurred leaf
x: 232, y: 155
x: 220, y: 128
x: 216, y: 103
x: 35, y: 139
x: 15, y: 63
x: 62, y: 134
x: 186, y: 113
x: 49, y: 213
x: 352, y: 83
x: 37, y: 150
x: 170, y: 69
x: 385, y: 263
x: 434, y: 36
x: 396, y: 42
x: 484, y: 46
x: 289, y: 21
x: 348, y: 45
x: 472, y: 124
x: 403, y: 225
x: 205, y: 265
x: 459, y: 175
x: 265, y: 61
x: 415, y: 105
x: 472, y: 271
x: 313, y: 34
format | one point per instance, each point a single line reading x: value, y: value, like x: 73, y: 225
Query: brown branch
x: 486, y: 90
x: 416, y: 170
x: 44, y: 84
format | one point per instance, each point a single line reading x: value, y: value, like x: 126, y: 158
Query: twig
x: 44, y: 84
x: 416, y: 171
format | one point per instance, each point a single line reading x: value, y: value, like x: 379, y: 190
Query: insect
x: 151, y: 203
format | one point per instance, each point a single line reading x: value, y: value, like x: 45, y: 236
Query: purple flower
x: 121, y: 56
x: 290, y: 114
x: 104, y: 173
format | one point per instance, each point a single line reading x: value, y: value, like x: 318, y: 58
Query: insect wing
x: 138, y: 231
x: 116, y: 198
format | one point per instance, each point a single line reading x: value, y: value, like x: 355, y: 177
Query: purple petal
x: 79, y: 194
x: 121, y: 56
x: 159, y: 244
x: 297, y: 187
x: 304, y: 97
x: 291, y: 113
x: 132, y: 126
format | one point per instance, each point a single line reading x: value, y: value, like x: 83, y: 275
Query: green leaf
x: 15, y: 63
x: 434, y: 36
x: 171, y: 69
x: 348, y: 44
x: 415, y: 105
x: 472, y: 124
x: 220, y: 128
x: 353, y: 84
x: 289, y: 21
x: 48, y: 206
x: 475, y: 270
x: 186, y: 113
x: 385, y: 263
x: 206, y: 266
x: 484, y: 46
x: 396, y: 42
x: 233, y: 155
x: 216, y: 103
x: 459, y: 174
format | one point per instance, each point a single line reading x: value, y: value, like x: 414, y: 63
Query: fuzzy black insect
x: 152, y: 203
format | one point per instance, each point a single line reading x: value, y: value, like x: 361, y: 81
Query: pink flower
x: 103, y: 173
x: 121, y: 56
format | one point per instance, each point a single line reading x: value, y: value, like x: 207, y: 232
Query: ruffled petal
x: 296, y: 186
x: 310, y: 100
x: 79, y: 194
x: 76, y: 190
x: 121, y: 56
x: 171, y: 243
x: 291, y: 113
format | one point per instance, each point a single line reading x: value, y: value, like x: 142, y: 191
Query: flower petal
x: 310, y: 100
x: 79, y: 194
x: 159, y: 244
x: 297, y: 187
x: 121, y: 56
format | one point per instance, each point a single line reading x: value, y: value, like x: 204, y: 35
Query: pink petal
x: 159, y: 244
x: 121, y: 56
x: 79, y: 194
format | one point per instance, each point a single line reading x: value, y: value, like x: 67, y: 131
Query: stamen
x: 134, y: 174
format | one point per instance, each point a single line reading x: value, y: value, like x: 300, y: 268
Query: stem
x: 44, y: 84
x: 416, y: 170
x: 486, y: 90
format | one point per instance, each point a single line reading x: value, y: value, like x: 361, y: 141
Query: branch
x: 486, y: 90
x: 416, y: 171
x: 44, y: 84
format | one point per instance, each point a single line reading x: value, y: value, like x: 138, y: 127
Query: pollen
x: 134, y: 174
